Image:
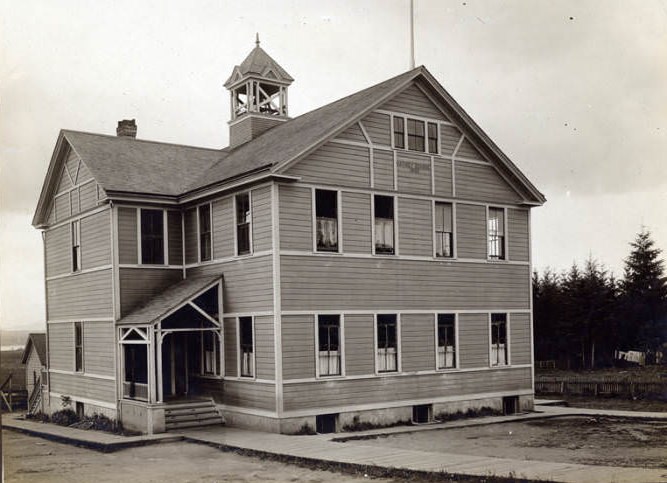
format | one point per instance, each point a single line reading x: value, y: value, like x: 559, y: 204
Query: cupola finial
x: 257, y: 39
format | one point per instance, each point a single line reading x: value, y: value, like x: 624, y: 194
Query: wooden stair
x: 191, y: 414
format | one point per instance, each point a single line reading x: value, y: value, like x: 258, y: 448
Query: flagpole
x: 412, y: 34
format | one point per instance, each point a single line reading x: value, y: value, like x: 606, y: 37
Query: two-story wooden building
x: 366, y: 261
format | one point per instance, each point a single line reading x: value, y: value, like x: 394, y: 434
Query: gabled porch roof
x: 170, y: 300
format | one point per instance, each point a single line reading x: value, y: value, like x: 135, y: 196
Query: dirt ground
x: 584, y: 440
x: 621, y: 404
x: 30, y: 459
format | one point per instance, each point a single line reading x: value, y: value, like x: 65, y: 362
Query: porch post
x: 151, y: 365
x: 221, y: 330
x: 158, y: 348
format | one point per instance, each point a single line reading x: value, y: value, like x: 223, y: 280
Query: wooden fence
x: 604, y: 386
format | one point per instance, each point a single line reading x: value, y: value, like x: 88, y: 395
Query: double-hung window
x: 246, y: 347
x: 446, y: 328
x: 386, y: 359
x: 399, y: 132
x: 211, y: 365
x: 384, y: 224
x: 152, y: 237
x: 432, y: 138
x: 496, y: 233
x: 205, y: 232
x: 326, y: 220
x: 499, y: 349
x: 78, y: 346
x: 328, y: 345
x: 76, y: 246
x: 416, y: 135
x: 444, y: 233
x: 242, y: 223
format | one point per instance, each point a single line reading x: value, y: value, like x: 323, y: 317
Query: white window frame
x: 250, y: 227
x: 239, y: 354
x: 75, y: 229
x: 457, y: 365
x: 434, y: 241
x: 505, y: 238
x: 395, y: 197
x: 210, y: 216
x: 508, y: 341
x: 426, y: 122
x: 83, y: 358
x: 165, y: 238
x: 398, y: 344
x: 339, y: 215
x: 341, y: 343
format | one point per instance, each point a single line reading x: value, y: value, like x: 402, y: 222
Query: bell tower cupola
x: 258, y: 89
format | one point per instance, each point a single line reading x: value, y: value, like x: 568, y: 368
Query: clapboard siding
x: 517, y: 226
x: 359, y: 345
x: 84, y: 387
x: 174, y: 232
x: 353, y: 133
x: 520, y: 339
x: 58, y: 255
x: 96, y: 240
x: 378, y: 127
x: 33, y: 370
x: 98, y: 348
x: 81, y: 295
x: 127, y: 235
x: 247, y: 283
x: 356, y: 222
x: 139, y: 285
x: 223, y: 228
x: 413, y: 101
x: 261, y: 219
x: 335, y: 163
x: 449, y: 138
x: 247, y: 394
x: 65, y: 182
x: 264, y: 348
x: 473, y: 340
x: 88, y: 196
x: 317, y: 283
x: 482, y: 183
x: 62, y: 207
x: 61, y: 346
x: 470, y: 231
x: 443, y: 177
x: 349, y: 392
x: 231, y: 347
x: 191, y: 248
x: 414, y: 173
x: 74, y: 200
x: 467, y: 150
x: 298, y: 341
x: 415, y: 225
x: 383, y: 169
x: 296, y: 230
x: 417, y: 342
x: 84, y: 174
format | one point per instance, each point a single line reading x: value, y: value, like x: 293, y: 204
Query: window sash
x: 327, y: 234
x: 205, y: 251
x: 496, y: 233
x: 152, y: 237
x: 432, y: 138
x: 329, y: 350
x: 387, y: 359
x: 399, y: 132
x: 76, y: 246
x: 78, y: 347
x: 329, y: 363
x: 242, y: 224
x: 387, y: 343
x: 416, y: 135
x: 499, y: 346
x: 384, y: 235
x: 246, y: 347
x: 247, y: 362
x: 446, y: 337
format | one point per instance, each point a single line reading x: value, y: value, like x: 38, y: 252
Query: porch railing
x: 135, y: 390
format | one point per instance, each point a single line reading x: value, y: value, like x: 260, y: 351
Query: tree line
x: 583, y: 315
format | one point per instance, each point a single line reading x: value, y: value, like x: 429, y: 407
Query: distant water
x: 11, y: 348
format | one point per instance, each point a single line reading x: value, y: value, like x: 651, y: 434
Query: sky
x: 574, y: 92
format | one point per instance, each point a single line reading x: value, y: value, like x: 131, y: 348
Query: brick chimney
x: 127, y: 128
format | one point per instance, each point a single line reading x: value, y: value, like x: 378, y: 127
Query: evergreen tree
x: 645, y: 294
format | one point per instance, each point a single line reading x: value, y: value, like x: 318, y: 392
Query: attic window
x: 421, y: 135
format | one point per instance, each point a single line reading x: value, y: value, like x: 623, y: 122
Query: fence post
x: 11, y: 403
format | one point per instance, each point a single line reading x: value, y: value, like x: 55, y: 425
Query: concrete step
x: 181, y: 411
x: 193, y: 424
x: 192, y: 417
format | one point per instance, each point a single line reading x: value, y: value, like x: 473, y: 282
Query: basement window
x: 242, y: 202
x: 246, y: 347
x: 152, y: 237
x: 383, y: 212
x: 204, y: 232
x: 326, y: 220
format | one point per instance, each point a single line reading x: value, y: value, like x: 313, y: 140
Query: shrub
x: 305, y: 429
x: 104, y: 423
x: 357, y: 425
x: 40, y: 416
x: 65, y: 417
x: 470, y: 413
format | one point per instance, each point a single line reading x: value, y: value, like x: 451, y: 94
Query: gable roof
x: 128, y: 165
x: 37, y: 341
x: 171, y: 298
